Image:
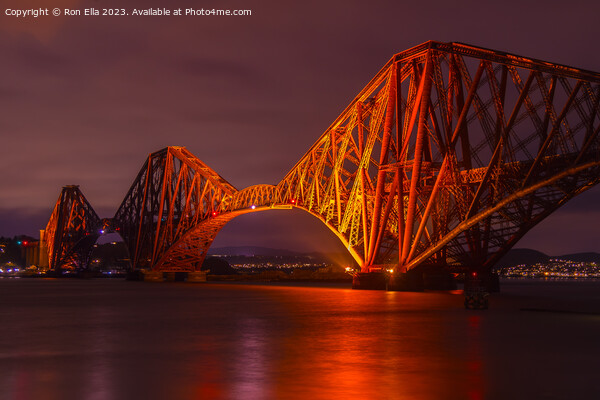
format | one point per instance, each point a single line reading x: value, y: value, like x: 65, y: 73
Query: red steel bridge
x: 447, y: 157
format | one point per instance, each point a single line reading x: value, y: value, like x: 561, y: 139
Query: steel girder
x: 70, y: 232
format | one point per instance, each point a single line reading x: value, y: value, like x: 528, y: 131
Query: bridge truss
x: 451, y: 154
x: 175, y: 208
x: 72, y: 229
x: 447, y: 157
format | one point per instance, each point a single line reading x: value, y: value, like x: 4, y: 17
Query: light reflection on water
x: 124, y: 340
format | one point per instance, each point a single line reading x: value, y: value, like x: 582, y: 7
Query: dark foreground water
x: 102, y: 339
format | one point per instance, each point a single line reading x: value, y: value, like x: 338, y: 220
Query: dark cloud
x: 208, y: 68
x: 24, y: 221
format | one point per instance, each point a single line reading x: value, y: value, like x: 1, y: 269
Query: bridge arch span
x: 188, y: 253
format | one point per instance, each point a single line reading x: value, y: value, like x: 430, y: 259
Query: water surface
x: 109, y: 339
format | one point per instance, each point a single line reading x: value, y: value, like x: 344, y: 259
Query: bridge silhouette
x: 447, y: 157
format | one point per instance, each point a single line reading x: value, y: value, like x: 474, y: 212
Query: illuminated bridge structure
x: 447, y: 157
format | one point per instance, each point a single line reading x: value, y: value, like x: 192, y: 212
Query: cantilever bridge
x: 447, y: 157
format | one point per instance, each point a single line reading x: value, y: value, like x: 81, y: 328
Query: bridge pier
x: 411, y: 281
x: 478, y: 286
x: 369, y: 281
x: 175, y: 276
x: 169, y: 276
x: 416, y: 280
x: 197, y: 276
x: 153, y: 276
x: 160, y: 276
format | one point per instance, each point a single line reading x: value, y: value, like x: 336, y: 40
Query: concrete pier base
x: 477, y: 300
x: 369, y: 281
x: 169, y: 276
x: 476, y: 291
x: 411, y: 281
x: 198, y: 276
x: 175, y: 276
x: 152, y: 276
x: 439, y: 279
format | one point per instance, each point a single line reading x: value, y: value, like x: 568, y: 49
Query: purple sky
x: 83, y: 100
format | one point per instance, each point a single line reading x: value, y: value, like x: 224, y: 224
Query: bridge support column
x: 197, y: 276
x: 369, y: 281
x: 477, y: 291
x: 175, y: 276
x: 153, y: 276
x: 169, y: 276
x: 411, y: 281
x: 438, y: 279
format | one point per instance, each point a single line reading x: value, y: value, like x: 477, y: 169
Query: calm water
x: 101, y: 339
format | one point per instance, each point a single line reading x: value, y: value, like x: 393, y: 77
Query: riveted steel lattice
x: 70, y: 232
x: 450, y: 155
x: 175, y: 208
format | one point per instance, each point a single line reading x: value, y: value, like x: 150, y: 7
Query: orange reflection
x: 474, y: 359
x: 364, y: 344
x: 208, y: 373
x: 252, y: 370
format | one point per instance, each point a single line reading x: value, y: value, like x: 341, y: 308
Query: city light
x: 553, y: 269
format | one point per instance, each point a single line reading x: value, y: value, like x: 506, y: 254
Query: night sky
x: 84, y: 100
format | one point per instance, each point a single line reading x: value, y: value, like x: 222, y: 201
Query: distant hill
x: 250, y: 251
x: 530, y: 257
x: 521, y: 256
x: 581, y: 257
x: 510, y: 259
x: 217, y: 266
x: 256, y: 251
